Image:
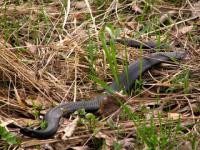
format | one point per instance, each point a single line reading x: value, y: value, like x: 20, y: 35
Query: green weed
x: 89, y: 120
x: 8, y: 137
x: 91, y: 56
x: 183, y: 79
x: 36, y: 110
x: 152, y: 135
x: 117, y: 145
x: 110, y: 52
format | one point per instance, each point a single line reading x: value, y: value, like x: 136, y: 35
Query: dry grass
x: 44, y: 60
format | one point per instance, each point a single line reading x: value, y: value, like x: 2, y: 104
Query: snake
x: 139, y: 44
x: 135, y: 69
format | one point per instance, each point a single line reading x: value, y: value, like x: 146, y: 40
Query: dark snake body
x: 53, y: 115
x: 139, y: 44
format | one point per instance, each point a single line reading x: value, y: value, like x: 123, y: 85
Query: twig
x: 66, y: 16
x: 169, y: 26
x: 93, y: 20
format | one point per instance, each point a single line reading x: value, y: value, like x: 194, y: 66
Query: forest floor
x: 52, y: 52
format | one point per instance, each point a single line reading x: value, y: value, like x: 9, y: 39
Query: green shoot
x: 91, y: 56
x: 8, y: 137
x: 36, y: 110
x: 110, y: 53
x: 102, y: 84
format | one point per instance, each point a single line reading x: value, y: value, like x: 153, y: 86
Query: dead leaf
x: 132, y: 25
x: 167, y: 15
x: 70, y: 128
x: 80, y: 16
x: 127, y: 143
x: 136, y: 9
x: 127, y: 32
x: 80, y: 148
x: 111, y: 104
x: 19, y: 100
x: 32, y: 48
x: 79, y: 4
x: 185, y: 29
x: 185, y: 146
x: 47, y: 146
x: 80, y: 35
x: 29, y: 143
x: 196, y: 9
x: 194, y: 107
x: 109, y: 140
x: 174, y: 116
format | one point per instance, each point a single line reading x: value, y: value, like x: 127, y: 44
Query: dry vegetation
x: 49, y: 48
